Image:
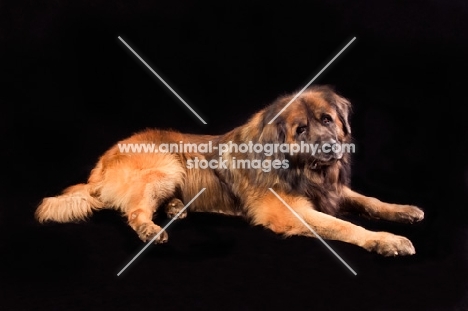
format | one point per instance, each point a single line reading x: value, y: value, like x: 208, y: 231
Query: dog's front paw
x: 173, y: 207
x: 147, y: 231
x: 388, y: 244
x: 409, y: 214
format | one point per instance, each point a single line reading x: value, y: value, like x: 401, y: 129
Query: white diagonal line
x: 159, y: 233
x: 162, y: 80
x: 313, y: 231
x: 313, y: 79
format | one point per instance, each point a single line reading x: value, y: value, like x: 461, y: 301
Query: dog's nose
x: 337, y: 152
x: 338, y: 155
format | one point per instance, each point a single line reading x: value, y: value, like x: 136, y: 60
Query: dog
x: 315, y: 186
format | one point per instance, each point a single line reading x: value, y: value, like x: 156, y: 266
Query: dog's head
x: 318, y: 117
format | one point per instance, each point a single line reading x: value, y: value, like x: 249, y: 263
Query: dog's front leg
x: 274, y: 214
x: 380, y: 210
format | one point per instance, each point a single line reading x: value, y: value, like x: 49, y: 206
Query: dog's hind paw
x: 147, y: 231
x: 173, y: 207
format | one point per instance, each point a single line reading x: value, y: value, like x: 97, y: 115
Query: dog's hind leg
x: 140, y: 210
x: 138, y: 189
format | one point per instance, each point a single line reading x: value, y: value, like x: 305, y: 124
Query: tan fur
x: 137, y: 184
x: 77, y: 200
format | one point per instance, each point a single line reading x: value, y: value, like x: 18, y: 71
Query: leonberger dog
x: 315, y: 186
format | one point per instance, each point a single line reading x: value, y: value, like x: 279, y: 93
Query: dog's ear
x: 276, y: 131
x: 343, y: 107
x: 273, y: 133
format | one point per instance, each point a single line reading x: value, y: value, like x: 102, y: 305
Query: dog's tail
x: 76, y: 203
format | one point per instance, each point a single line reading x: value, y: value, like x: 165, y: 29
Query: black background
x: 70, y: 89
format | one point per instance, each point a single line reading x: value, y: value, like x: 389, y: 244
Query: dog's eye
x: 326, y: 119
x: 301, y: 129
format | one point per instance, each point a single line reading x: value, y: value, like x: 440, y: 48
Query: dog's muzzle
x: 331, y: 149
x: 328, y: 152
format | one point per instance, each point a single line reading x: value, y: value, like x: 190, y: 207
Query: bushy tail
x: 76, y: 203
